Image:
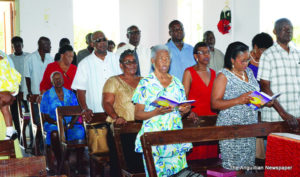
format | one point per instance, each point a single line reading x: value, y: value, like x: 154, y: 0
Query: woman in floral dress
x: 168, y: 159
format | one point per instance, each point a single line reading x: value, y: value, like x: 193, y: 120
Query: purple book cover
x: 164, y: 101
x: 259, y: 99
x: 221, y: 172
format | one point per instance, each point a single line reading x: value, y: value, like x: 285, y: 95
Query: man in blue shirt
x: 181, y: 53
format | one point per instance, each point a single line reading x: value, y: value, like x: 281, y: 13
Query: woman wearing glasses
x: 116, y: 101
x: 198, y: 81
x: 230, y: 95
x: 118, y: 90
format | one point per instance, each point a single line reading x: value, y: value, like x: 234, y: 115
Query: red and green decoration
x: 225, y: 21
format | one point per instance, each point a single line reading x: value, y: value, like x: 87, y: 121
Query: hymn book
x: 260, y: 99
x: 163, y: 101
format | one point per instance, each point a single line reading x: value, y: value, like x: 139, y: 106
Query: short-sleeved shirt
x: 19, y: 61
x: 91, y: 75
x: 180, y: 59
x: 282, y: 69
x: 147, y: 91
x: 216, y: 60
x: 67, y: 76
x: 34, y: 68
x: 123, y: 92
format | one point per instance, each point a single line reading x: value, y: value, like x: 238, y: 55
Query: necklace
x: 257, y: 62
x: 242, y: 76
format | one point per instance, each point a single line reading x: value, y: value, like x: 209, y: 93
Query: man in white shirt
x: 279, y: 72
x: 216, y: 56
x: 35, y: 65
x: 18, y: 58
x: 142, y: 54
x: 91, y: 75
x: 34, y: 68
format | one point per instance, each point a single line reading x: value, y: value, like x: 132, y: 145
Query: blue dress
x: 168, y: 159
x: 238, y: 153
x: 49, y: 103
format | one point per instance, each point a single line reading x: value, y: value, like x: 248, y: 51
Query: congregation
x: 125, y: 83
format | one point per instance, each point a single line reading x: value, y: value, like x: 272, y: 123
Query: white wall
x: 245, y: 21
x: 145, y: 15
x: 53, y: 19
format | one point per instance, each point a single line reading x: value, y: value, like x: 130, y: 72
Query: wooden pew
x: 27, y: 166
x: 7, y: 148
x: 130, y: 128
x: 134, y: 127
x: 205, y: 134
x: 36, y: 127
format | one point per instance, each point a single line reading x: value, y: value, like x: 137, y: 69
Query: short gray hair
x: 157, y: 48
x: 53, y: 73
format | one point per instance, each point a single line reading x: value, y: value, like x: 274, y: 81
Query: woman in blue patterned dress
x: 169, y: 159
x: 230, y: 95
x: 52, y: 98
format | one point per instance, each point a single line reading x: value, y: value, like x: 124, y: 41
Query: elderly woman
x: 169, y: 159
x: 64, y: 66
x: 52, y: 98
x: 230, y: 95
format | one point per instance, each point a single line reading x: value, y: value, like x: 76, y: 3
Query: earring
x: 232, y: 66
x: 197, y: 60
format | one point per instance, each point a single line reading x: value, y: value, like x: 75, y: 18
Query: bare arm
x: 218, y: 90
x: 86, y: 112
x: 291, y: 120
x: 28, y: 84
x: 108, y: 100
x: 46, y: 118
x: 186, y: 81
x: 140, y: 114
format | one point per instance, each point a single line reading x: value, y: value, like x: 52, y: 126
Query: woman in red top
x: 198, y: 81
x: 63, y: 66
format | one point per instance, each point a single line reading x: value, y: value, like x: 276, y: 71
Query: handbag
x: 97, y: 139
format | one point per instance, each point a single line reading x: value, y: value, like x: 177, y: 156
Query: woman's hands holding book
x: 163, y: 110
x: 244, y: 98
x: 184, y: 108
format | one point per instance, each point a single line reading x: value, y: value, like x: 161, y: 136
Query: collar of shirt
x: 172, y: 44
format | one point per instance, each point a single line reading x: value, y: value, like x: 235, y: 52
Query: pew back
x: 205, y: 134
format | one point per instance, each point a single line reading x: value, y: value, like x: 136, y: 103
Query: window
x: 93, y: 15
x: 6, y: 25
x: 272, y: 10
x: 190, y: 13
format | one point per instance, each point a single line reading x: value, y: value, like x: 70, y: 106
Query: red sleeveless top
x: 201, y: 93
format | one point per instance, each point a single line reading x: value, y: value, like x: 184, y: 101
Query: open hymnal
x: 163, y: 101
x: 260, y: 99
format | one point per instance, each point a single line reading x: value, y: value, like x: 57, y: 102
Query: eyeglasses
x: 134, y: 32
x: 245, y: 61
x: 203, y: 53
x: 100, y: 40
x: 128, y: 62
